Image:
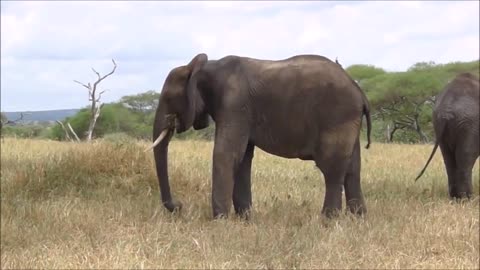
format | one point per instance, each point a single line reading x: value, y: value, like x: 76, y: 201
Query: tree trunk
x: 93, y: 120
x: 392, y: 133
x: 421, y: 134
x: 387, y: 133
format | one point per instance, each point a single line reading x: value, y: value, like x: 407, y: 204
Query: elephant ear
x: 197, y: 63
x: 193, y: 96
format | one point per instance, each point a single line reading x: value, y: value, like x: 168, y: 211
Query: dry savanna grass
x: 67, y: 205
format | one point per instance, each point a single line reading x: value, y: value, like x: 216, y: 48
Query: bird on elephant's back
x: 304, y: 107
x: 456, y: 123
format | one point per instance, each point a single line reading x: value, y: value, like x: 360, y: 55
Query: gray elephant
x: 304, y: 107
x: 456, y: 124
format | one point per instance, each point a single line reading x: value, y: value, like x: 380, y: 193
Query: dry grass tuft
x: 67, y: 205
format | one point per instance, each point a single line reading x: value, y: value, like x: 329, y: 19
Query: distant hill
x: 41, y: 116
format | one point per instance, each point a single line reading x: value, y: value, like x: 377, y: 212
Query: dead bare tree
x: 67, y: 134
x: 5, y: 121
x: 94, y: 97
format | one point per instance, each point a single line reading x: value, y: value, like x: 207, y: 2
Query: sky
x: 47, y: 45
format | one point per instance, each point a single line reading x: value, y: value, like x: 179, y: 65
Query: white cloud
x: 46, y: 45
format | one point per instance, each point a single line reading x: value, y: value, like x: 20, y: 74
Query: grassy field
x: 67, y: 205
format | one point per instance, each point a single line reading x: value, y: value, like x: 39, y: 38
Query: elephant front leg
x: 242, y: 193
x: 228, y: 151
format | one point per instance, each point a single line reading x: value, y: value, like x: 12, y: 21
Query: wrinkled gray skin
x: 456, y: 124
x: 304, y: 107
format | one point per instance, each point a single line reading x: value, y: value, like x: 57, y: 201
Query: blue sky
x: 47, y: 45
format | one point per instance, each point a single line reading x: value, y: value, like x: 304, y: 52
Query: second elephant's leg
x: 465, y: 155
x: 353, y: 189
x: 242, y: 193
x: 450, y: 166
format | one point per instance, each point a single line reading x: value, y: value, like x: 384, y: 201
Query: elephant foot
x: 220, y: 216
x: 173, y: 205
x: 331, y: 212
x: 243, y: 213
x: 461, y: 196
x: 357, y: 207
x: 452, y: 191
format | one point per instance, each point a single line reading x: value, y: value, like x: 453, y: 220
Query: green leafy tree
x: 420, y: 66
x: 145, y: 103
x: 360, y: 73
x: 404, y: 100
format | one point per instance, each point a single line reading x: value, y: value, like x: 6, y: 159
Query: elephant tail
x: 366, y: 112
x: 366, y: 106
x: 440, y: 133
x: 428, y: 161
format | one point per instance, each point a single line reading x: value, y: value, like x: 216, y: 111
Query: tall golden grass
x: 69, y: 205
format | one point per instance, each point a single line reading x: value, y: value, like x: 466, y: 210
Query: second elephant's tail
x: 428, y: 161
x: 440, y: 133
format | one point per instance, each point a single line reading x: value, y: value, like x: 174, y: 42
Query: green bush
x: 23, y: 131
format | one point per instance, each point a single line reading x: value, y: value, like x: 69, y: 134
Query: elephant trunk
x: 162, y: 133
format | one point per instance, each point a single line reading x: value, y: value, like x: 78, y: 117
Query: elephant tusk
x: 158, y: 140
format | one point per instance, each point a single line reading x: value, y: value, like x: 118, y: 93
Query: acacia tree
x: 94, y: 98
x: 404, y: 100
x: 142, y: 103
x: 360, y: 73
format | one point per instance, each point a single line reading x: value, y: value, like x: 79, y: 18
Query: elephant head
x: 180, y: 107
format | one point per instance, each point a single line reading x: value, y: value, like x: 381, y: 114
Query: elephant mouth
x: 171, y: 123
x: 179, y: 126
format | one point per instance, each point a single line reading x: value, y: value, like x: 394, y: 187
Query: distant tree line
x: 401, y: 107
x: 402, y: 102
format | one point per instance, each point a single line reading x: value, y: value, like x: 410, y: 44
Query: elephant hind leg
x: 353, y: 189
x: 450, y: 166
x: 333, y: 157
x: 465, y: 156
x: 334, y: 169
x: 242, y: 192
x: 334, y: 180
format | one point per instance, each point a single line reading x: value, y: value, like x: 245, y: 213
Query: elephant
x: 456, y: 125
x: 304, y: 107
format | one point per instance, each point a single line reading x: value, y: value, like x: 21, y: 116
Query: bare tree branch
x: 65, y: 130
x: 100, y: 94
x: 84, y: 85
x: 102, y: 78
x: 96, y: 72
x: 73, y: 132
